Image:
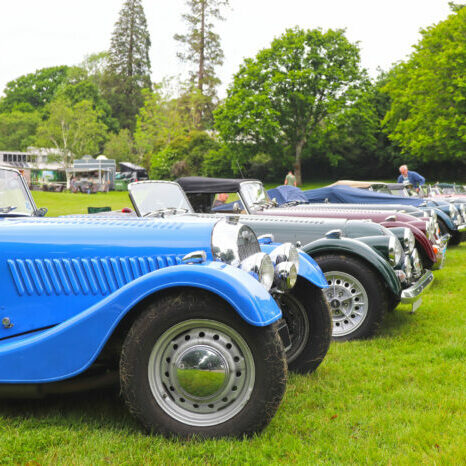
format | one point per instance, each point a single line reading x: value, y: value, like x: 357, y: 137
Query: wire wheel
x: 201, y: 372
x: 348, y: 302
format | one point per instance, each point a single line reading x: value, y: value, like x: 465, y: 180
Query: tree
x: 427, y: 117
x: 33, y: 91
x: 203, y: 51
x: 282, y: 97
x: 120, y: 147
x: 129, y: 64
x: 73, y: 129
x: 18, y: 129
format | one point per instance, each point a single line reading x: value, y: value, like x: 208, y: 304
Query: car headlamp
x: 454, y: 214
x: 260, y: 266
x: 408, y: 269
x: 395, y: 251
x: 233, y: 242
x: 408, y: 240
x: 416, y: 263
x: 286, y: 252
x: 463, y: 211
x: 285, y: 276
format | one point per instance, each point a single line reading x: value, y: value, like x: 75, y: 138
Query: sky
x: 40, y: 33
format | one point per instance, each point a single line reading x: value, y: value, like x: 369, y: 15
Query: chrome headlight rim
x: 395, y: 251
x: 286, y: 252
x: 409, y: 241
x: 230, y: 239
x: 286, y: 276
x: 416, y: 263
x: 260, y: 266
x: 408, y: 269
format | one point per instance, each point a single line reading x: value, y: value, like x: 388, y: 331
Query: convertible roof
x: 202, y: 184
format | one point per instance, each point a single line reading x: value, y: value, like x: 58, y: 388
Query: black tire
x: 455, y: 239
x: 371, y: 283
x: 307, y: 315
x: 167, y: 314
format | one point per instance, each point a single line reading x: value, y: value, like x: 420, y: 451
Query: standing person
x: 290, y: 179
x: 410, y: 177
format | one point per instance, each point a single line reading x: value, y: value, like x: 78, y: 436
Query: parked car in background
x: 366, y: 276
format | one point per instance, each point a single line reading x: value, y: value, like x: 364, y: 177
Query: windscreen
x: 254, y: 194
x: 156, y: 196
x: 14, y: 198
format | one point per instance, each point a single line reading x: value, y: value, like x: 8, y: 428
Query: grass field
x: 398, y: 398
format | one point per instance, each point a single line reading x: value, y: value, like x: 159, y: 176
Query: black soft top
x: 202, y: 184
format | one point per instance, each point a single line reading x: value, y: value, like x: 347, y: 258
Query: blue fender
x: 445, y: 217
x: 69, y: 348
x: 308, y: 267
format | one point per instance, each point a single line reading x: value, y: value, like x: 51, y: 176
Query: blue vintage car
x: 180, y: 313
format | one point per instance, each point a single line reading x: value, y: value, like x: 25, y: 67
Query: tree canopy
x: 427, y: 117
x: 283, y: 95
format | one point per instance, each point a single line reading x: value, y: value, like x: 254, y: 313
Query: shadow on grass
x: 97, y: 409
x: 397, y: 321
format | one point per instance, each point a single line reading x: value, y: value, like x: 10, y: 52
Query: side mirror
x: 236, y: 208
x: 41, y: 212
x: 274, y: 201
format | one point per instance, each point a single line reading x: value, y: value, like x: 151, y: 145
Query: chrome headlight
x: 430, y: 229
x: 408, y: 269
x: 285, y: 276
x: 454, y: 214
x: 260, y: 266
x: 286, y: 252
x: 408, y: 240
x: 416, y: 263
x: 233, y: 242
x: 463, y: 211
x: 395, y: 251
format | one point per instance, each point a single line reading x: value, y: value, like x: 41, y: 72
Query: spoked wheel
x: 201, y: 372
x: 348, y: 302
x: 191, y: 366
x: 306, y: 313
x: 356, y: 296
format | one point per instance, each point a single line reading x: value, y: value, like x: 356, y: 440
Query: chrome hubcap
x: 201, y: 372
x: 348, y: 302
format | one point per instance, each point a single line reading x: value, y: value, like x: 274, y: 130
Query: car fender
x: 360, y: 250
x: 69, y: 348
x: 421, y: 238
x: 308, y: 267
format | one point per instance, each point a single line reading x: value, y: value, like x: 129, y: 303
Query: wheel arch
x: 359, y: 251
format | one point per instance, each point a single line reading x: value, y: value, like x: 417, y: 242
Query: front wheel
x: 191, y: 366
x: 307, y: 315
x: 356, y: 296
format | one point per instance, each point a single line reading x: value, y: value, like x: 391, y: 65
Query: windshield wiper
x: 7, y: 210
x: 164, y: 211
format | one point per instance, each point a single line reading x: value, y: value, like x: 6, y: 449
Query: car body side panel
x: 69, y: 348
x: 346, y: 246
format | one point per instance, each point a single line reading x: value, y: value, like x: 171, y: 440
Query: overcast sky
x: 40, y: 33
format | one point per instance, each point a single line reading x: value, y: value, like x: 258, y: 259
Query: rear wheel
x: 191, y: 366
x: 356, y: 295
x: 307, y: 315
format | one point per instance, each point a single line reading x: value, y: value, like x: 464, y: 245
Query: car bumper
x: 441, y: 248
x: 411, y: 294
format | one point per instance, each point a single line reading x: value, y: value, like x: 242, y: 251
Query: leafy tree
x: 18, y: 129
x: 73, y: 129
x: 121, y: 148
x: 202, y: 49
x: 283, y: 96
x: 33, y: 91
x: 129, y: 64
x: 427, y: 117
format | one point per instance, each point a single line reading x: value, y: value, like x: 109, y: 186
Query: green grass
x: 398, y: 398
